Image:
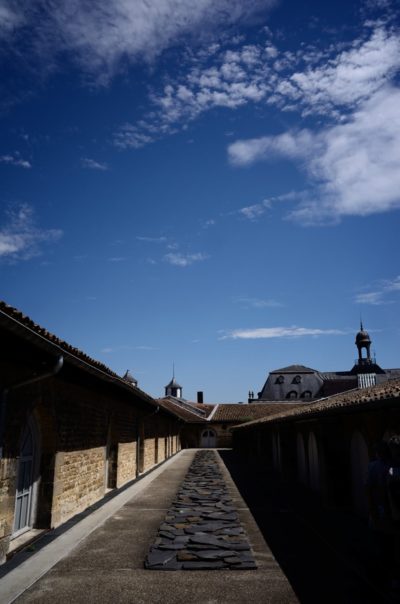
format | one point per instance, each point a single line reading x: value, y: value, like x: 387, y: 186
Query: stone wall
x: 126, y: 462
x: 86, y: 442
x: 79, y: 481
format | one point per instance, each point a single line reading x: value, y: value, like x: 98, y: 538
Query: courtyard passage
x: 302, y: 553
x: 105, y: 563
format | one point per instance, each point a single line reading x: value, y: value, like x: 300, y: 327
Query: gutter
x: 4, y: 395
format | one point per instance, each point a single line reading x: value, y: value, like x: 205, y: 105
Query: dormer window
x: 292, y: 394
x: 280, y: 379
x: 306, y: 394
x: 297, y: 379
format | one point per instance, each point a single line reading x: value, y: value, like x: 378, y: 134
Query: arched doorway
x: 313, y: 462
x: 26, y: 488
x: 359, y: 465
x: 208, y: 439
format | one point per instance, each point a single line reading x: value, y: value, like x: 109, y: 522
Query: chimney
x: 200, y: 397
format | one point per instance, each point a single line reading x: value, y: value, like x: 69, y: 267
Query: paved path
x: 107, y: 564
x: 202, y: 529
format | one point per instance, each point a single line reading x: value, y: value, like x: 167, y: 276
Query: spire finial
x: 173, y: 370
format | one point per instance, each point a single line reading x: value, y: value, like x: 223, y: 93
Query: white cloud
x: 113, y: 349
x: 350, y: 77
x: 289, y: 144
x: 11, y: 17
x: 15, y: 159
x: 20, y: 238
x: 353, y: 166
x: 148, y: 348
x: 380, y: 294
x: 220, y: 78
x: 279, y: 332
x: 256, y: 210
x: 374, y: 298
x: 102, y: 35
x: 161, y: 239
x: 92, y: 164
x: 259, y: 303
x: 330, y: 81
x: 392, y: 285
x: 183, y: 260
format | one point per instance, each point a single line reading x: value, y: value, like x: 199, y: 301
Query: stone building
x: 297, y: 382
x: 71, y: 430
x: 326, y: 445
x: 209, y: 425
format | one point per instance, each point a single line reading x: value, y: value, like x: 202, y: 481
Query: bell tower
x: 173, y: 388
x: 363, y: 341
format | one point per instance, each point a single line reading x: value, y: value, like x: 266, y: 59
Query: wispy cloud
x: 310, y: 80
x: 11, y: 17
x: 92, y: 164
x: 15, y: 159
x: 373, y: 298
x: 258, y: 209
x: 279, y: 332
x: 219, y: 77
x: 148, y: 348
x: 21, y: 238
x: 102, y: 36
x: 117, y: 348
x: 259, y: 303
x: 351, y: 163
x: 380, y: 294
x: 183, y: 260
x: 161, y: 239
x: 116, y: 259
x: 346, y: 79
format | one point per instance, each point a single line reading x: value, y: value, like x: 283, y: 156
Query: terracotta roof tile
x: 41, y: 331
x: 234, y: 412
x: 180, y: 411
x: 15, y: 317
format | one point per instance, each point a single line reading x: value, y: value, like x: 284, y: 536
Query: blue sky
x: 214, y: 184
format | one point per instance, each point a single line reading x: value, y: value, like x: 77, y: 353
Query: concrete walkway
x: 100, y: 559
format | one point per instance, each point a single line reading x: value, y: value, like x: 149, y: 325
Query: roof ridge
x: 25, y: 321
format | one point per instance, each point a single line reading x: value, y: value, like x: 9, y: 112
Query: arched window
x: 280, y: 379
x: 296, y: 379
x: 306, y: 394
x: 292, y: 394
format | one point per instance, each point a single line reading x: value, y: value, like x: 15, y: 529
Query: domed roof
x: 363, y: 336
x: 173, y: 384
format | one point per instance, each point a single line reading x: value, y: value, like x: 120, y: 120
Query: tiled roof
x: 360, y: 398
x: 206, y: 407
x: 183, y: 412
x: 234, y: 412
x: 14, y: 319
x: 17, y: 315
x: 294, y: 369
